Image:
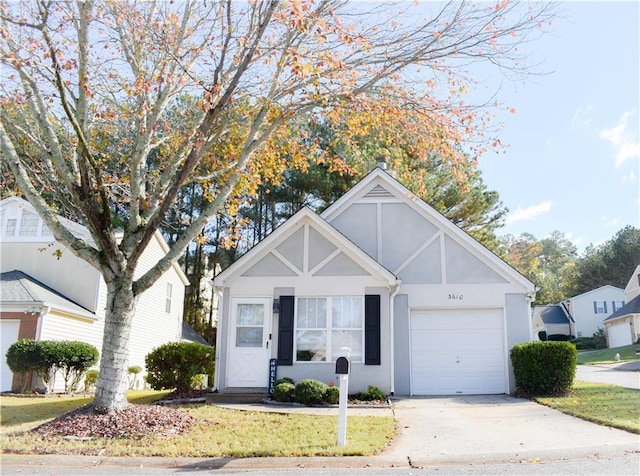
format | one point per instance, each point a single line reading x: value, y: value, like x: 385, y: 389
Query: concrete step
x: 236, y: 397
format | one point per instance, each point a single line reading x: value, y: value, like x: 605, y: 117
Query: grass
x: 608, y: 356
x: 609, y: 405
x: 220, y: 433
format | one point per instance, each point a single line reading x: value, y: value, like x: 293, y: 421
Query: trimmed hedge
x: 46, y: 357
x: 544, y: 368
x: 175, y: 365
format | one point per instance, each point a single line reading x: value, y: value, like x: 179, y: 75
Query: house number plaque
x: 455, y: 297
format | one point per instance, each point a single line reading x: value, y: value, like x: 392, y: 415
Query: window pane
x: 351, y: 339
x: 311, y: 346
x: 250, y: 315
x: 312, y: 313
x: 347, y: 313
x: 29, y: 224
x: 249, y: 337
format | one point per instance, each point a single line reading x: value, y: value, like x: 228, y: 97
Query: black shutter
x: 372, y: 329
x: 285, y: 331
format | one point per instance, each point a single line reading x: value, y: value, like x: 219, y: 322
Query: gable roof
x: 632, y: 307
x: 279, y: 236
x: 189, y: 334
x: 632, y: 289
x: 601, y: 288
x: 379, y: 184
x: 78, y: 230
x: 552, y: 314
x: 23, y: 291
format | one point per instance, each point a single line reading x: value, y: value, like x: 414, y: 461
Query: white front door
x: 249, y: 350
x: 9, y: 335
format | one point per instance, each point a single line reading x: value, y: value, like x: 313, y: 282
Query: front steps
x: 238, y: 395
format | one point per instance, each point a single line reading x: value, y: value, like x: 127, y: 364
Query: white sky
x: 573, y: 162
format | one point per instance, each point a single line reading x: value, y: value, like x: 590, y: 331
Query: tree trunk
x: 113, y: 381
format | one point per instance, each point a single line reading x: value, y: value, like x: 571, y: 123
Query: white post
x: 342, y: 411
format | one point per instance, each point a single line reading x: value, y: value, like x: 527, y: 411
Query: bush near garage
x: 47, y: 357
x: 176, y: 365
x: 544, y: 368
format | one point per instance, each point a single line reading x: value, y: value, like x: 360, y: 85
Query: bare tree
x: 93, y: 123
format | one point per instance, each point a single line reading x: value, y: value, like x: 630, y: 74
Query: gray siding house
x: 419, y: 306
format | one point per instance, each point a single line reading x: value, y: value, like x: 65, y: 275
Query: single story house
x: 47, y: 293
x: 418, y: 305
x: 623, y: 326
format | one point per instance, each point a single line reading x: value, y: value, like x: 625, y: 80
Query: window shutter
x: 372, y: 329
x: 285, y: 331
x: 605, y: 306
x: 595, y: 307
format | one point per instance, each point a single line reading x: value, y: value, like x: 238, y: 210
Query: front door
x: 249, y: 351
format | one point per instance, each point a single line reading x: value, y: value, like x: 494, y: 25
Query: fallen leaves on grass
x: 135, y: 421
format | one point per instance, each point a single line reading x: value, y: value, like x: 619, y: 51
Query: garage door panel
x: 457, y: 352
x: 9, y: 330
x: 619, y: 335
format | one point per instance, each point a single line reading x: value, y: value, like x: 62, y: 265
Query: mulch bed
x: 135, y: 421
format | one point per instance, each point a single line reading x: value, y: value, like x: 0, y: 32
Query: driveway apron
x: 496, y: 428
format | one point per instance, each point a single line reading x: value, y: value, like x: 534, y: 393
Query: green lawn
x: 220, y: 433
x: 608, y: 356
x: 608, y: 405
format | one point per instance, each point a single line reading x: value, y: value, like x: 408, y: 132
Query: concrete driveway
x: 478, y: 429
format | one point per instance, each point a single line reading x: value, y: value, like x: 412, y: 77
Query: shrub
x: 310, y: 392
x: 284, y: 392
x: 600, y: 338
x: 45, y: 358
x: 74, y: 359
x: 372, y: 393
x: 544, y: 368
x: 332, y: 394
x: 133, y: 372
x: 176, y: 364
x: 583, y: 343
x: 559, y: 337
x: 285, y: 380
x: 90, y: 379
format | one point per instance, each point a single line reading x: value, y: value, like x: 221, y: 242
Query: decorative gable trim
x: 333, y: 250
x: 378, y: 177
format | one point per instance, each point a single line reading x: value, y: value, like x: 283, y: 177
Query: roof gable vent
x: 379, y: 192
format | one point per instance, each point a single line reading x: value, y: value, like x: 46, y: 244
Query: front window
x: 167, y: 302
x: 600, y: 307
x: 617, y: 305
x: 324, y: 326
x: 29, y: 224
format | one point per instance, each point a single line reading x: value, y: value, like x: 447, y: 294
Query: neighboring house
x: 47, y: 293
x: 588, y: 310
x: 623, y: 326
x: 553, y: 319
x: 420, y: 306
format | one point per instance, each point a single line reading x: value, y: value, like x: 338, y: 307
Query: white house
x: 623, y: 326
x: 420, y: 307
x: 48, y: 293
x: 588, y: 310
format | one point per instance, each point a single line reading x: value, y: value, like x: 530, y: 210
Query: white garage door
x: 619, y: 335
x: 9, y: 332
x: 457, y: 352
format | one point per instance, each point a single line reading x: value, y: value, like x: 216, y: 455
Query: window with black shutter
x: 285, y: 330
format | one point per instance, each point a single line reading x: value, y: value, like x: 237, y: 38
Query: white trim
x: 465, y: 240
x: 305, y: 217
